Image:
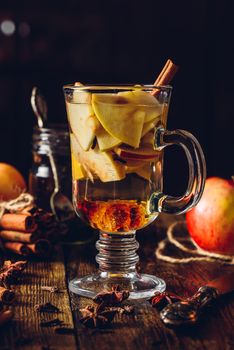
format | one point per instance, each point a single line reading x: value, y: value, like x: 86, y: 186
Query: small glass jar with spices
x: 45, y: 141
x: 53, y: 143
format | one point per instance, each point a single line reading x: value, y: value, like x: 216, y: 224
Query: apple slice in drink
x: 148, y: 126
x: 81, y: 97
x: 148, y: 139
x: 132, y: 165
x: 142, y: 169
x: 78, y: 172
x: 105, y: 140
x: 83, y: 123
x: 144, y: 172
x: 144, y: 101
x: 119, y: 117
x: 98, y: 163
x: 143, y: 153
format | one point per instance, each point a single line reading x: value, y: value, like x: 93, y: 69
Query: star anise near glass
x: 113, y: 297
x: 160, y: 300
x: 96, y: 316
x: 108, y: 305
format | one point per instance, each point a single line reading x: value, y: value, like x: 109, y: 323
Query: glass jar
x: 54, y: 139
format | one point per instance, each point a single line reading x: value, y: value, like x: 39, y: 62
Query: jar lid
x: 53, y: 138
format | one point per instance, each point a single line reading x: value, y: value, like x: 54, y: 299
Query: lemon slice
x: 120, y: 118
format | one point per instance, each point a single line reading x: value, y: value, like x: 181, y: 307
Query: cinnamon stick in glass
x: 16, y: 236
x: 165, y: 76
x: 18, y: 248
x: 18, y: 222
x: 7, y: 296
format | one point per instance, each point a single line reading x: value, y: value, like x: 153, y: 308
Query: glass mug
x: 118, y: 134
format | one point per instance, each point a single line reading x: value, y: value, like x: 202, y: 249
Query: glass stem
x: 117, y: 254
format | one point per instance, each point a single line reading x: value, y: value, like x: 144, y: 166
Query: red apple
x: 211, y: 222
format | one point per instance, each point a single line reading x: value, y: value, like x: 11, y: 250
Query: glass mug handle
x: 197, y: 172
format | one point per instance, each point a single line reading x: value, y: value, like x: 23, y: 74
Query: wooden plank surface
x: 144, y: 330
x: 141, y: 330
x: 25, y: 332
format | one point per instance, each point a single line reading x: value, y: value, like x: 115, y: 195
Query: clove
x: 47, y: 307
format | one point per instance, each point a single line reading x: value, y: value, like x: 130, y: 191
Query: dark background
x: 58, y: 42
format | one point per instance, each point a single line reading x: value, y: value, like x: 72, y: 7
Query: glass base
x: 140, y: 286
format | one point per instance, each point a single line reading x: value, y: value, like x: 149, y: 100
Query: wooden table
x: 143, y: 330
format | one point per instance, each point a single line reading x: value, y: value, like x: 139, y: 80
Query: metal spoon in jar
x: 39, y: 107
x: 60, y: 205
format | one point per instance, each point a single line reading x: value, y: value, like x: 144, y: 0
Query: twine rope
x: 16, y: 205
x: 179, y: 243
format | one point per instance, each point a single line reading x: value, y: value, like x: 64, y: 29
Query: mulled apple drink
x: 118, y: 135
x: 115, y: 168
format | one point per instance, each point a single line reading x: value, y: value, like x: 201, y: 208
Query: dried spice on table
x: 51, y: 289
x: 108, y: 305
x: 122, y: 310
x: 32, y: 231
x: 46, y: 307
x: 96, y: 316
x: 161, y: 299
x: 111, y: 298
x: 11, y: 272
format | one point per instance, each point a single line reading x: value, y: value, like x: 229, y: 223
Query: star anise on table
x: 108, y: 305
x: 113, y: 297
x: 122, y: 310
x: 161, y: 299
x: 96, y: 316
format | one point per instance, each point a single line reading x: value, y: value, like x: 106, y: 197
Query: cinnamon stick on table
x: 18, y: 222
x: 166, y: 75
x: 18, y: 248
x: 16, y: 236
